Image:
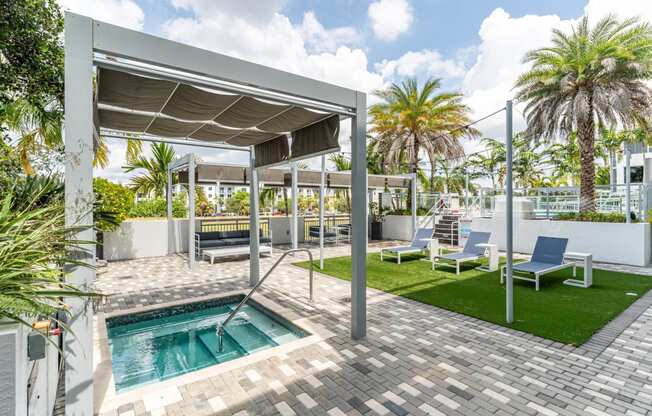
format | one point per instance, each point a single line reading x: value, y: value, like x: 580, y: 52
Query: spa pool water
x: 155, y: 346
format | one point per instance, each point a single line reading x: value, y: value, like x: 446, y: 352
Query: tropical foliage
x: 36, y: 249
x: 112, y: 197
x: 153, y: 172
x: 412, y: 119
x: 591, y: 76
x: 157, y: 207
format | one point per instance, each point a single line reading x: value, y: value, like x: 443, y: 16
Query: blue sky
x: 474, y: 46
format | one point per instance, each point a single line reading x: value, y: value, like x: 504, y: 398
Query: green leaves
x: 155, y: 177
x: 35, y: 248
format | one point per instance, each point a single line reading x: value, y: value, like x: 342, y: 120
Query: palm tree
x: 592, y: 74
x: 412, y: 119
x: 155, y: 177
x: 39, y: 127
x: 342, y: 164
x: 490, y: 163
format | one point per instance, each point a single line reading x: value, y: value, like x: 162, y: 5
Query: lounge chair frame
x: 398, y: 250
x: 527, y: 276
x: 460, y: 260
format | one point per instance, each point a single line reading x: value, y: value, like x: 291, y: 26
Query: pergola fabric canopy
x: 147, y: 105
x: 240, y: 175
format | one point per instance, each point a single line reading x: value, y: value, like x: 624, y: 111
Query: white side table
x: 493, y: 257
x: 433, y: 245
x: 587, y: 259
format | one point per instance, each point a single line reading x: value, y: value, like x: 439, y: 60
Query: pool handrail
x: 220, y: 329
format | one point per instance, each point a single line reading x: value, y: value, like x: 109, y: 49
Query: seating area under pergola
x: 149, y: 88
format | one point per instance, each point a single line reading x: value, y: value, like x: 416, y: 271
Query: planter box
x: 619, y: 243
x: 376, y: 230
x: 399, y: 227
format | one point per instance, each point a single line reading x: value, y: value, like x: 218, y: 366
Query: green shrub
x: 407, y: 211
x: 238, y: 203
x: 157, y: 207
x: 112, y: 198
x: 591, y: 216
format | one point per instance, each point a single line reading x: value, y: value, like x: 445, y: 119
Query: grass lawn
x: 558, y: 312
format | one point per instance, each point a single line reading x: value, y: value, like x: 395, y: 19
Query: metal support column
x: 191, y: 211
x: 509, y: 237
x: 218, y: 203
x: 78, y: 140
x: 294, y: 226
x: 171, y: 236
x: 628, y: 184
x: 359, y: 219
x: 322, y: 180
x: 413, y: 187
x: 466, y: 195
x: 254, y: 221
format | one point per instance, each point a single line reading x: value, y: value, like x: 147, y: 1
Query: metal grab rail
x: 220, y: 330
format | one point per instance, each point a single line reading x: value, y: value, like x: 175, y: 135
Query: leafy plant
x: 112, y: 198
x: 35, y: 249
x: 238, y: 203
x: 591, y: 216
x: 157, y: 207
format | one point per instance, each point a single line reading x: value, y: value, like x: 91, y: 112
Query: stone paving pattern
x: 416, y: 359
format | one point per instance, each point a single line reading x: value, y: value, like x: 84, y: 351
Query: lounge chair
x: 419, y: 243
x: 548, y: 257
x: 470, y: 252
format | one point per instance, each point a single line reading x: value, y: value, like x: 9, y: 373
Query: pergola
x: 192, y: 172
x: 154, y: 89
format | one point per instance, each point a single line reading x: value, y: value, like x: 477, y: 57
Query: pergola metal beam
x: 78, y: 139
x: 183, y: 142
x: 125, y: 43
x: 509, y: 218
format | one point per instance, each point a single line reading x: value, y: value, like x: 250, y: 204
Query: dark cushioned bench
x: 216, y: 239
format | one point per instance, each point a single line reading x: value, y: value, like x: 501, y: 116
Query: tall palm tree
x: 411, y: 119
x: 342, y: 164
x: 593, y: 74
x: 155, y: 175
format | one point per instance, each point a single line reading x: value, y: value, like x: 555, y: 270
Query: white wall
x: 399, y: 227
x: 144, y: 238
x: 149, y: 237
x: 608, y: 242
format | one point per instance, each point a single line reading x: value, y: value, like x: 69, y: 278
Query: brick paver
x: 416, y: 359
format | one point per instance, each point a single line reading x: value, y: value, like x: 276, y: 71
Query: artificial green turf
x: 558, y: 312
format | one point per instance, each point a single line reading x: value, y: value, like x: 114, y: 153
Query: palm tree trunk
x: 612, y: 169
x: 285, y: 199
x: 414, y: 165
x: 586, y: 132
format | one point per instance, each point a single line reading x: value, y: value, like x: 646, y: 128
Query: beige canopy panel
x: 239, y: 175
x: 138, y: 104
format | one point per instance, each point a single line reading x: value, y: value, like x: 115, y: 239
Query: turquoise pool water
x: 158, y: 345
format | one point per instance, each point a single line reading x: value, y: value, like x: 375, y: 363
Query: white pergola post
x: 413, y: 187
x: 191, y: 211
x: 359, y: 219
x: 294, y: 226
x: 509, y: 237
x: 628, y: 183
x: 322, y: 180
x: 171, y: 238
x: 218, y: 204
x: 254, y: 233
x: 78, y: 139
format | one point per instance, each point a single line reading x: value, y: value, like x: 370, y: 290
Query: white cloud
x: 595, y: 9
x: 426, y: 61
x: 308, y: 49
x: 320, y: 39
x: 490, y: 81
x: 390, y: 18
x: 124, y: 13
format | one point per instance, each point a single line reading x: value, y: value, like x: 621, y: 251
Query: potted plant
x: 376, y: 219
